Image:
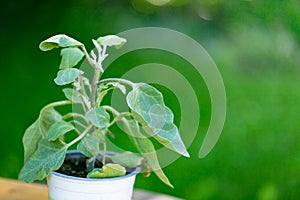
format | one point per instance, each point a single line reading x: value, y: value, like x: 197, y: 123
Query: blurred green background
x: 255, y: 45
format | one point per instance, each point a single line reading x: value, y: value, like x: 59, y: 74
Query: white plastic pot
x: 64, y: 187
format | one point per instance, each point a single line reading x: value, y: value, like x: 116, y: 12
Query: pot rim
x: 133, y: 173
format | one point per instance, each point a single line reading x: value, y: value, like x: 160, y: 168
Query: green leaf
x: 48, y: 157
x: 59, y: 128
x: 127, y: 159
x: 146, y: 148
x: 148, y: 108
x: 70, y: 57
x: 98, y: 117
x: 111, y: 40
x: 67, y: 76
x: 35, y: 132
x: 73, y: 95
x: 95, y: 173
x: 60, y: 40
x: 32, y: 136
x: 108, y: 171
x: 89, y: 145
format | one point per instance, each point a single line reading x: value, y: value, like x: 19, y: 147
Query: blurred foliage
x: 255, y: 45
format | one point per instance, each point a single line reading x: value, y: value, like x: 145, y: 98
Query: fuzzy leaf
x: 59, y: 128
x: 67, y: 76
x: 111, y: 40
x: 127, y: 159
x: 32, y: 136
x: 70, y: 57
x: 48, y: 157
x: 60, y: 40
x: 89, y: 145
x: 148, y: 108
x: 35, y: 132
x: 73, y: 95
x: 98, y: 117
x: 108, y: 171
x: 146, y: 148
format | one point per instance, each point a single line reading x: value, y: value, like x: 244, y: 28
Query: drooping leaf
x: 67, y: 76
x: 108, y: 171
x: 59, y: 128
x: 73, y: 95
x: 70, y: 57
x: 111, y: 40
x: 98, y: 117
x: 127, y: 159
x: 148, y: 108
x: 35, y: 132
x: 48, y: 157
x: 89, y: 145
x: 31, y: 137
x: 60, y: 40
x: 146, y: 148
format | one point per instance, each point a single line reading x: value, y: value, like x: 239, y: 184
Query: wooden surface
x: 16, y: 190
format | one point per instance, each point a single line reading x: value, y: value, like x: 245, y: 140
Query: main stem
x: 94, y: 86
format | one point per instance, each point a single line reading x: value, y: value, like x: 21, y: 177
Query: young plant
x: 44, y: 145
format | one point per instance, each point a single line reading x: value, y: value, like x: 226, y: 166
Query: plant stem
x: 82, y: 85
x: 112, y: 110
x: 87, y: 56
x: 120, y: 80
x: 90, y: 164
x: 81, y: 136
x: 78, y: 123
x: 69, y: 115
x: 118, y: 117
x: 104, y: 155
x: 83, y: 92
x: 55, y: 104
x: 94, y: 86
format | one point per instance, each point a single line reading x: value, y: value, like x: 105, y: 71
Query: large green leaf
x: 67, y: 76
x: 148, y: 108
x: 98, y: 117
x: 111, y: 40
x: 70, y: 57
x: 60, y: 40
x: 59, y: 128
x: 32, y: 136
x: 48, y: 157
x: 89, y: 145
x: 146, y: 148
x: 38, y: 130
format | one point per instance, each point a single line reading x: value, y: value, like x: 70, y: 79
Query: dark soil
x: 75, y: 165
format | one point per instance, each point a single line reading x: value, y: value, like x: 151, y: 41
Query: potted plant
x: 93, y: 172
